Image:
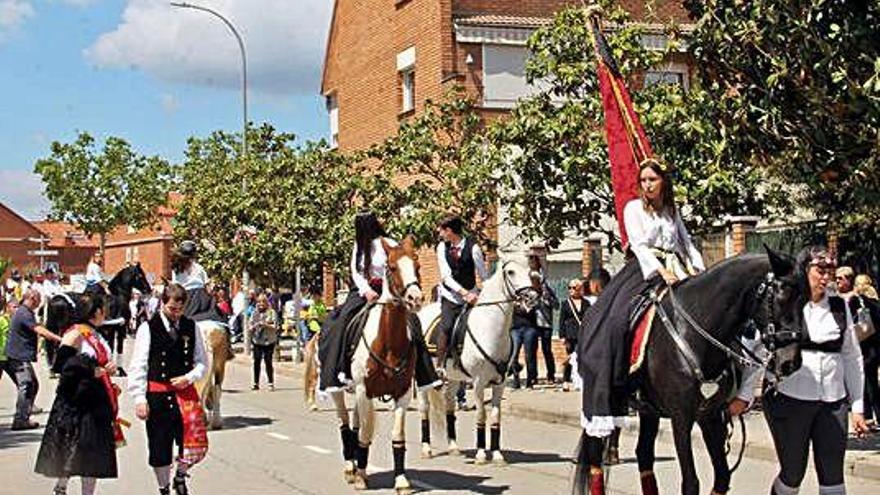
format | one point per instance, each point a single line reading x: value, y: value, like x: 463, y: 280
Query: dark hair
x: 366, y: 229
x: 2, y: 304
x: 87, y: 305
x: 180, y: 262
x: 174, y: 292
x: 667, y: 196
x: 802, y: 263
x: 453, y: 223
x: 601, y: 275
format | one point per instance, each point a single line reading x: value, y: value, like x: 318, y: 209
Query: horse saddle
x: 641, y: 319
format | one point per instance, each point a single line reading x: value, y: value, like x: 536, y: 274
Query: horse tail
x: 310, y: 374
x: 581, y: 479
x: 437, y: 412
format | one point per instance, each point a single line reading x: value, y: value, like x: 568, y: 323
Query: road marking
x: 372, y: 468
x: 317, y: 450
x: 278, y: 436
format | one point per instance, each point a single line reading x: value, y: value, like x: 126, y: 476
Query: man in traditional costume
x: 169, y: 357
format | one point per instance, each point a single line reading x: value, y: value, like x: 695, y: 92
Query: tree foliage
x: 560, y: 180
x: 799, y: 85
x: 99, y: 190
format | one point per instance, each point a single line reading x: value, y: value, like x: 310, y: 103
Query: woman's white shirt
x: 648, y: 230
x: 378, y: 261
x: 823, y: 376
x: 94, y: 273
x: 194, y: 277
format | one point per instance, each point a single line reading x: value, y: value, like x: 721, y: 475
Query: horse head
x: 403, y: 274
x: 131, y: 277
x: 779, y: 314
x: 518, y: 285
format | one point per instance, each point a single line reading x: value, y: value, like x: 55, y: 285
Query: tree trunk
x: 102, y: 245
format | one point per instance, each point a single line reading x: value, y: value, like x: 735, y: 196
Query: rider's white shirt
x: 378, y: 261
x: 823, y: 376
x: 140, y: 360
x: 648, y: 231
x: 93, y: 273
x: 446, y: 279
x: 194, y: 277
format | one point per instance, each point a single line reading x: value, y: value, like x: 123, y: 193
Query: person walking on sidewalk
x: 21, y: 351
x: 168, y: 358
x: 570, y: 318
x: 811, y: 405
x: 543, y: 317
x: 264, y: 336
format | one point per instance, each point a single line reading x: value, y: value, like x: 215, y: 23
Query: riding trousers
x: 795, y: 424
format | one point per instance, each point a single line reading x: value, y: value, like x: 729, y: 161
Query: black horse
x: 691, y: 380
x: 117, y: 311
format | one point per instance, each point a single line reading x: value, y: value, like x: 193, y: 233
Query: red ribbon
x: 103, y: 357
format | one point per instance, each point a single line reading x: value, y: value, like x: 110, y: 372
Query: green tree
x: 440, y: 162
x: 799, y: 85
x: 100, y: 190
x: 559, y: 181
x: 284, y: 206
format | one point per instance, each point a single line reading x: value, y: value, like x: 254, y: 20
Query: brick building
x: 384, y: 58
x: 17, y: 237
x: 151, y: 245
x: 74, y: 247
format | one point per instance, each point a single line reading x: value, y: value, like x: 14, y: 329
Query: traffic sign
x: 43, y: 252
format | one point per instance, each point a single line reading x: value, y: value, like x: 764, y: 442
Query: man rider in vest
x: 460, y: 260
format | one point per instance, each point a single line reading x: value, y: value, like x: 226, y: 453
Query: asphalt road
x: 272, y: 444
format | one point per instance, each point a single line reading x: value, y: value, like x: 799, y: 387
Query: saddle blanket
x: 640, y: 334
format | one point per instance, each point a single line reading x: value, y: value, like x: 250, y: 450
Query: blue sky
x: 151, y: 74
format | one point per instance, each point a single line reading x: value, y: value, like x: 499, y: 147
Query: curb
x: 857, y: 463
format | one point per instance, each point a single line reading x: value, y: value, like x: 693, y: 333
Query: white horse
x: 383, y: 367
x: 485, y: 356
x: 210, y: 387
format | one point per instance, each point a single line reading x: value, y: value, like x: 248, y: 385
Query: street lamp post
x: 186, y: 5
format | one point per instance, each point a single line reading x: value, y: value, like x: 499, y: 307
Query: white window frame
x: 332, y: 102
x: 406, y: 68
x: 671, y: 68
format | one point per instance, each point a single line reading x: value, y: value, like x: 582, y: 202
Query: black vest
x: 838, y: 309
x: 463, y: 269
x: 170, y: 358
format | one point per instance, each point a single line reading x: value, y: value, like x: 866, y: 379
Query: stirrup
x: 58, y: 490
x: 165, y: 491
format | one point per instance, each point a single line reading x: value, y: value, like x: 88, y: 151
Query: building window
x: 333, y: 113
x: 406, y: 67
x: 407, y: 91
x: 128, y: 255
x: 504, y: 78
x: 669, y: 74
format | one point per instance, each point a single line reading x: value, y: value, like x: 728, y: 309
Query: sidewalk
x: 551, y: 405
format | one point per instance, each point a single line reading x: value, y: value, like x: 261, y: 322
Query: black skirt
x: 334, y: 342
x: 603, y: 349
x: 78, y: 440
x: 200, y: 306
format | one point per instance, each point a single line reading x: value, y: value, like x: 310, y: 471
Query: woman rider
x: 662, y: 253
x: 368, y: 262
x: 200, y: 305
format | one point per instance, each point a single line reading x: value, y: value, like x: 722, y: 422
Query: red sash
x: 103, y: 357
x: 195, y: 425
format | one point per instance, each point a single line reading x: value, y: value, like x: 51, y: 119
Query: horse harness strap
x: 500, y: 366
x: 359, y: 321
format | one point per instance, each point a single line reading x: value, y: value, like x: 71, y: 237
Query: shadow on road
x: 439, y: 480
x: 871, y: 442
x: 9, y: 438
x: 241, y: 422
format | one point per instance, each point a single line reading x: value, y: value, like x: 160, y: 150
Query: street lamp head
x: 181, y: 4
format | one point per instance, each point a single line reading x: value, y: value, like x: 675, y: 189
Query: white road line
x: 317, y: 450
x: 278, y: 436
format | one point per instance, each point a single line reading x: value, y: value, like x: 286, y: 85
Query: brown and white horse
x: 210, y: 387
x: 382, y: 367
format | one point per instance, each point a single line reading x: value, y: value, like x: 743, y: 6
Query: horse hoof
x: 498, y: 458
x: 426, y: 451
x: 480, y: 459
x: 454, y: 451
x: 402, y: 486
x: 348, y: 472
x: 360, y: 479
x: 313, y: 406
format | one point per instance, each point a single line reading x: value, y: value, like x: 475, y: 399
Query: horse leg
x: 681, y: 431
x: 649, y: 426
x: 495, y: 425
x: 424, y: 414
x: 451, y: 434
x: 366, y: 421
x: 349, y: 437
x: 217, y: 393
x: 398, y: 446
x: 481, y: 457
x: 714, y: 435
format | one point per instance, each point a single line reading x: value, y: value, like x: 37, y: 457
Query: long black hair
x: 366, y: 229
x: 815, y: 254
x: 68, y: 309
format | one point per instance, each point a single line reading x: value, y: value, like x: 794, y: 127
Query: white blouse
x: 194, y: 277
x: 648, y: 230
x: 378, y: 261
x: 823, y: 376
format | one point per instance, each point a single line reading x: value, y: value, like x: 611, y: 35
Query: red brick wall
x: 154, y: 257
x: 15, y: 227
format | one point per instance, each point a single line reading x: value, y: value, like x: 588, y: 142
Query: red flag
x: 628, y: 145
